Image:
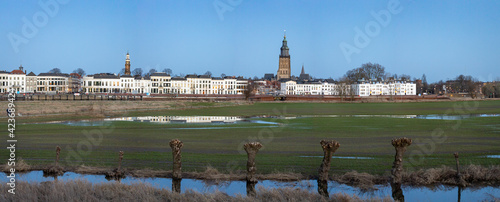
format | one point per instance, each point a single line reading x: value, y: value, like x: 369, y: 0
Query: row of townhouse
x: 157, y: 83
x: 162, y: 83
x: 318, y: 87
x: 361, y: 88
x: 391, y: 87
x: 48, y: 83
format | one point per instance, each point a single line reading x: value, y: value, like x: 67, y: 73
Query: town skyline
x: 246, y: 40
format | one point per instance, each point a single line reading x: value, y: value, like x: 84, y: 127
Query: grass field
x: 291, y: 146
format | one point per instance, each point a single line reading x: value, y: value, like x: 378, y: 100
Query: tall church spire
x: 127, y: 65
x: 284, y: 47
x: 284, y: 71
x: 302, y: 72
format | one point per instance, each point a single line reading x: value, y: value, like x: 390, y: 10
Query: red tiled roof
x: 17, y: 71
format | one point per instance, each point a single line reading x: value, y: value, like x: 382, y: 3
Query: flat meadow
x: 290, y: 133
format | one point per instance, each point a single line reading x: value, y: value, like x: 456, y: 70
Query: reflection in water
x: 236, y: 119
x: 233, y: 188
x: 323, y: 188
x: 180, y: 119
x: 397, y: 192
x: 459, y: 193
x: 176, y: 185
x: 251, y: 188
x: 430, y: 116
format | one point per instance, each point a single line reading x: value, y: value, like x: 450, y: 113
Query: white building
x: 362, y: 88
x: 102, y: 83
x: 4, y: 82
x: 320, y: 87
x: 161, y: 83
x: 52, y: 83
x: 393, y: 87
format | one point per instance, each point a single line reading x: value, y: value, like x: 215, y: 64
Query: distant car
x: 76, y: 94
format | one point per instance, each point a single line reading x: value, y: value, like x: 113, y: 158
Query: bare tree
x: 208, y: 73
x: 250, y: 90
x: 55, y: 70
x: 356, y: 74
x: 137, y: 72
x: 79, y: 71
x: 343, y: 87
x: 425, y: 85
x: 222, y: 75
x: 367, y: 71
x: 168, y: 71
x: 373, y: 71
x: 405, y: 77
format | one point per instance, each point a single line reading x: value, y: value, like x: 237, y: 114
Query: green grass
x: 146, y: 144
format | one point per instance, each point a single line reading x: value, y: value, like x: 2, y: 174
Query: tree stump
x: 329, y: 147
x: 251, y: 148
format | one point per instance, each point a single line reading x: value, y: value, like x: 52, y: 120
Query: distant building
x: 52, y: 83
x: 31, y: 81
x: 391, y: 87
x: 318, y: 87
x: 284, y: 70
x: 269, y: 77
x: 127, y: 65
x: 362, y: 88
x: 160, y: 83
x: 303, y: 76
x: 75, y: 83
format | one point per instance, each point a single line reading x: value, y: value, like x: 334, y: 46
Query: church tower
x: 127, y: 65
x: 284, y: 63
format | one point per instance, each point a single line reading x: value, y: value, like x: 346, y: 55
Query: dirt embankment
x: 106, y: 108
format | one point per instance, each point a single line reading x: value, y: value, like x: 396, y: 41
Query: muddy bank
x: 472, y: 175
x: 105, y: 108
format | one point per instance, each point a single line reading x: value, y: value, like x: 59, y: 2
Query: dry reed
x: 79, y: 190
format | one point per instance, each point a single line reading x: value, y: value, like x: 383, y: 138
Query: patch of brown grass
x: 364, y: 181
x: 53, y: 171
x: 20, y: 167
x: 213, y: 174
x: 470, y: 175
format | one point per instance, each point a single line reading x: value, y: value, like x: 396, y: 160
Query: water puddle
x: 212, y: 120
x: 233, y: 188
x: 493, y: 156
x: 430, y: 116
x: 339, y: 157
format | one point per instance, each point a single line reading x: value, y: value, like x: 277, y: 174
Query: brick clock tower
x: 127, y: 65
x: 284, y: 70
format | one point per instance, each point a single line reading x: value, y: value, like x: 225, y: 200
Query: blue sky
x: 439, y: 38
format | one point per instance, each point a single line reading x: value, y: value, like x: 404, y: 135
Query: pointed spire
x: 302, y: 72
x: 285, y: 34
